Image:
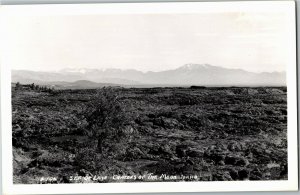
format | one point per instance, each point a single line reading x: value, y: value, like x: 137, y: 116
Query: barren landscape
x: 117, y: 134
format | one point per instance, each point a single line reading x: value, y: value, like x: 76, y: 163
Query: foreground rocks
x: 216, y: 134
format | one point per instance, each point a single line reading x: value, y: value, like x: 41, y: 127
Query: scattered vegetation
x: 33, y: 87
x: 105, y: 118
x: 215, y: 133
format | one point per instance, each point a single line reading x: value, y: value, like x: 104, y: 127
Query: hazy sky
x: 250, y: 41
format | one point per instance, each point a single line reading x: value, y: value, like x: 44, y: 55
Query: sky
x: 147, y: 42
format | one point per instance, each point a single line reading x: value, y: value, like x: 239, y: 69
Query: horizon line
x: 122, y: 69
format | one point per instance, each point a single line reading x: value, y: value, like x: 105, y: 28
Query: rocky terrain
x: 170, y: 134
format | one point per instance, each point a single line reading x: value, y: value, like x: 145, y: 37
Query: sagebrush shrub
x: 105, y: 118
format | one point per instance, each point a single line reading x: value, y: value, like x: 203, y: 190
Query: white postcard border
x: 287, y: 7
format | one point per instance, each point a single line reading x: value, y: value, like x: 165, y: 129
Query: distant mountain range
x: 189, y: 74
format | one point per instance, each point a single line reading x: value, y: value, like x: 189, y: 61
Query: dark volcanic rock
x: 165, y: 122
x: 236, y: 160
x: 234, y: 174
x: 243, y: 174
x: 221, y: 133
x: 256, y: 174
x: 222, y: 176
x: 181, y: 151
x: 194, y: 153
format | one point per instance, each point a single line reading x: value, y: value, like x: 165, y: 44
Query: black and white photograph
x: 171, y: 93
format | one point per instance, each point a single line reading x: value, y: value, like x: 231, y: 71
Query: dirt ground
x: 172, y: 134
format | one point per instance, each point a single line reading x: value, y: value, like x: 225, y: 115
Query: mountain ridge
x: 188, y: 74
x: 188, y: 65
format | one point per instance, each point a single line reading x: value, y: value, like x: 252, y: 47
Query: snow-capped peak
x: 195, y: 66
x: 75, y: 70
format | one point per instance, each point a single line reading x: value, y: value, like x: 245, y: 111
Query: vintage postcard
x: 149, y: 97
